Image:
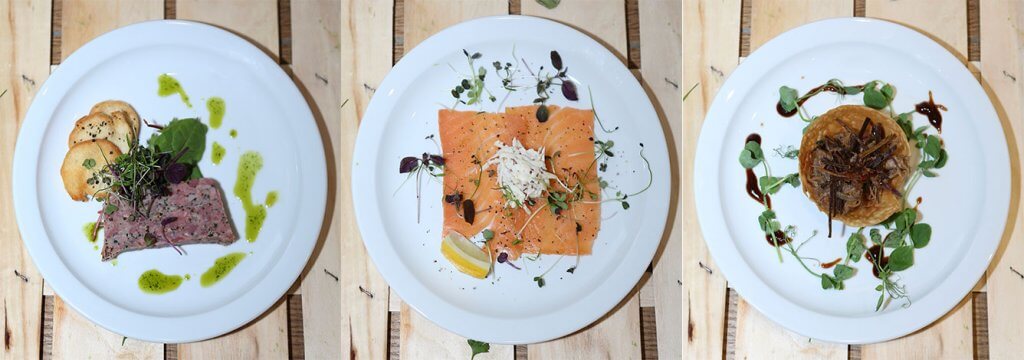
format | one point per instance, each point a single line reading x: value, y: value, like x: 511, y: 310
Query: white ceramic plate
x: 271, y: 117
x: 509, y: 308
x: 966, y: 204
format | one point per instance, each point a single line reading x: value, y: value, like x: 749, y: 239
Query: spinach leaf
x: 188, y: 135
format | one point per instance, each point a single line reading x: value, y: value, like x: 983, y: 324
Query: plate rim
x: 409, y: 288
x: 764, y: 298
x: 165, y: 329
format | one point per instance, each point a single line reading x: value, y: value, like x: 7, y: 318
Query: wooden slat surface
x: 660, y: 45
x: 420, y: 339
x: 83, y: 20
x: 1002, y: 68
x: 24, y: 65
x: 710, y: 50
x: 946, y: 22
x: 756, y: 334
x: 316, y: 68
x: 266, y: 337
x: 75, y: 337
x: 364, y: 27
x: 617, y: 336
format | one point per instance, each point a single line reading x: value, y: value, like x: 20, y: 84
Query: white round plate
x: 271, y: 117
x: 966, y: 204
x: 508, y: 307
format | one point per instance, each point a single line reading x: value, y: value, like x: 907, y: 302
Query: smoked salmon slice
x: 567, y: 138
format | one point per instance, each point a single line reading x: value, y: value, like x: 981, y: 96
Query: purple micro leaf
x: 437, y: 160
x: 176, y: 173
x: 408, y: 164
x: 569, y: 90
x: 556, y: 60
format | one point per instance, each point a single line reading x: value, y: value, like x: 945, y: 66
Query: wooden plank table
x: 987, y: 37
x: 337, y: 51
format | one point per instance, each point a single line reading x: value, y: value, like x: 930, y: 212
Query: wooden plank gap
x: 398, y: 29
x: 745, y: 16
x: 46, y: 351
x: 731, y: 302
x: 296, y: 348
x: 284, y: 28
x: 980, y: 325
x: 633, y: 34
x: 170, y: 351
x: 853, y: 352
x: 394, y: 333
x: 55, y: 34
x: 515, y: 7
x: 859, y: 8
x: 170, y: 13
x: 973, y: 30
x: 648, y: 333
x: 519, y: 351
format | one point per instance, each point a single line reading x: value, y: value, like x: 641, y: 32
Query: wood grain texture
x: 756, y: 335
x: 710, y: 47
x: 255, y: 20
x: 603, y: 20
x: 951, y: 337
x: 420, y: 339
x: 83, y: 20
x: 1002, y: 68
x: 24, y: 65
x: 768, y: 19
x: 266, y: 337
x: 316, y: 69
x: 364, y: 27
x: 617, y: 336
x: 75, y: 337
x: 661, y: 66
x: 946, y: 22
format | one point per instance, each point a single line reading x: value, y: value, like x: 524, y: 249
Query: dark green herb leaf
x: 901, y: 259
x: 478, y: 347
x: 542, y: 113
x: 928, y: 173
x: 906, y: 122
x: 109, y: 209
x: 905, y: 219
x: 842, y: 272
x: 881, y: 297
x: 188, y: 135
x: 851, y: 90
x: 876, y: 236
x: 550, y: 4
x: 752, y: 155
x: 827, y: 282
x: 772, y: 185
x: 874, y: 98
x: 788, y: 98
x: 488, y: 234
x: 933, y: 146
x: 539, y: 280
x: 889, y: 92
x: 894, y: 239
x: 855, y: 246
x: 89, y: 163
x: 625, y: 205
x: 920, y: 234
x: 942, y: 158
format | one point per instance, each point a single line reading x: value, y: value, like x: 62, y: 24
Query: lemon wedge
x: 465, y: 255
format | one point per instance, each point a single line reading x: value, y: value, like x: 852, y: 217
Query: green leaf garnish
x: 478, y: 347
x: 901, y: 259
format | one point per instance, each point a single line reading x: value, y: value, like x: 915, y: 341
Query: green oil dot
x: 170, y: 86
x: 218, y: 153
x: 216, y: 107
x: 221, y: 268
x: 88, y: 230
x: 248, y: 165
x: 156, y: 282
x: 271, y: 199
x: 233, y: 133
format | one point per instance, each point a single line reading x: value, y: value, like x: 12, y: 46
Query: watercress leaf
x: 827, y: 282
x: 920, y: 234
x: 188, y: 135
x: 793, y: 179
x: 478, y: 347
x: 625, y: 205
x: 920, y: 130
x: 842, y: 272
x: 855, y: 246
x: 905, y: 219
x: 769, y: 184
x: 876, y: 236
x: 942, y: 158
x: 889, y: 92
x: 901, y: 259
x: 747, y: 159
x: 788, y: 98
x: 874, y: 98
x: 926, y: 164
x: 905, y: 121
x: 928, y: 173
x: 933, y: 146
x: 893, y: 239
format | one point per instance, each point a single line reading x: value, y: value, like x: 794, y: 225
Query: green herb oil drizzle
x: 221, y: 268
x: 170, y: 86
x: 271, y: 199
x: 216, y: 107
x: 156, y: 282
x: 250, y: 163
x: 218, y: 153
x: 233, y: 133
x: 88, y: 230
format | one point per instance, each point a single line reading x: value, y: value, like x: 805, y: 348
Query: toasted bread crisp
x: 82, y: 169
x: 854, y: 161
x: 110, y: 107
x: 91, y: 127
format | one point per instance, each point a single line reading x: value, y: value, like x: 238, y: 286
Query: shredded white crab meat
x: 521, y: 172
